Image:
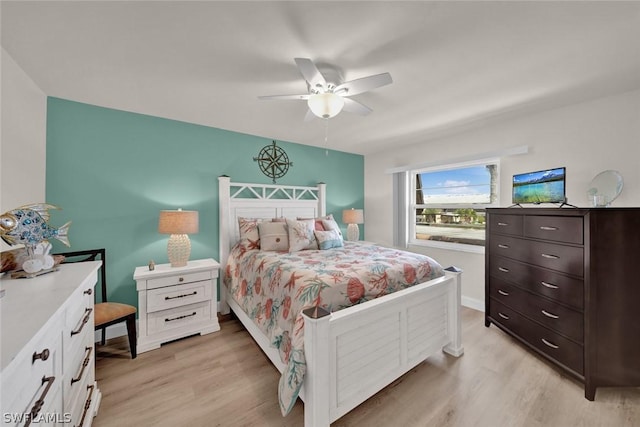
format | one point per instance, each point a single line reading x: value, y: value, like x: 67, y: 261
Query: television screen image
x: 546, y: 186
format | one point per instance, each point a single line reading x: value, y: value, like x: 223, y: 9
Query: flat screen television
x: 545, y: 186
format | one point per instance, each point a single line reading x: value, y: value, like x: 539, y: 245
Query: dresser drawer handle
x: 85, y: 362
x: 551, y: 315
x: 180, y: 317
x: 37, y: 406
x: 504, y: 270
x: 87, y: 316
x: 550, y: 344
x: 550, y: 256
x: 43, y: 355
x: 548, y: 285
x: 181, y: 279
x: 88, y: 292
x: 504, y: 316
x: 503, y: 246
x: 546, y: 228
x: 181, y: 296
x: 87, y: 405
x: 503, y: 224
x: 501, y: 292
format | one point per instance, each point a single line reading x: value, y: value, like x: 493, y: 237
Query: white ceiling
x: 455, y: 65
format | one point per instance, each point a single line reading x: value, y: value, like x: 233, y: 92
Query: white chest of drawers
x: 48, y: 375
x: 175, y: 302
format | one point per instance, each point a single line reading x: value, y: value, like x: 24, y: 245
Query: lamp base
x: 178, y: 250
x: 353, y: 232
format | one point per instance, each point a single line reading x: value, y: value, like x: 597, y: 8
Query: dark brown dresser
x: 566, y: 283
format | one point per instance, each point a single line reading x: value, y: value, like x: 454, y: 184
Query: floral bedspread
x: 273, y: 288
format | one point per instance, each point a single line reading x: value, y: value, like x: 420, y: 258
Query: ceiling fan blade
x: 355, y: 107
x: 285, y: 97
x: 363, y: 84
x: 310, y: 72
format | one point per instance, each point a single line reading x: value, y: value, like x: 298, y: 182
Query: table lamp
x: 179, y: 224
x: 353, y: 217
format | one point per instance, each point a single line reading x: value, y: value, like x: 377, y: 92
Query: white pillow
x: 328, y: 239
x: 331, y: 224
x: 273, y: 236
x: 301, y: 235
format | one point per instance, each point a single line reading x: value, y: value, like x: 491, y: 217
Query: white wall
x: 587, y: 138
x: 23, y: 117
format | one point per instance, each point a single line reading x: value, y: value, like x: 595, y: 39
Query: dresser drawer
x: 566, y: 259
x: 563, y: 320
x: 175, y: 296
x: 561, y: 288
x: 556, y: 228
x: 505, y: 224
x: 179, y: 317
x: 544, y: 340
x: 181, y: 279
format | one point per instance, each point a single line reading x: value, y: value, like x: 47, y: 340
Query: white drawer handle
x: 181, y: 296
x: 551, y: 315
x: 43, y: 355
x: 504, y: 270
x: 503, y: 224
x: 501, y: 292
x: 548, y: 285
x: 550, y: 256
x: 180, y: 317
x: 87, y: 315
x: 545, y: 228
x: 550, y: 344
x: 503, y: 246
x: 37, y: 406
x: 85, y: 362
x: 504, y: 316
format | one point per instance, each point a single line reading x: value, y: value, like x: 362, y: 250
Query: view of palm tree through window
x: 449, y: 204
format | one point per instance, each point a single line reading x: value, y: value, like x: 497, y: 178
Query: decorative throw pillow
x: 328, y: 239
x: 318, y: 221
x: 249, y: 235
x: 273, y: 236
x: 301, y: 235
x: 331, y: 224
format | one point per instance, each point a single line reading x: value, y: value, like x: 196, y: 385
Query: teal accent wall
x: 112, y: 172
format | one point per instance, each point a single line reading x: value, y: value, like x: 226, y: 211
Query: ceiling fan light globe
x: 325, y: 105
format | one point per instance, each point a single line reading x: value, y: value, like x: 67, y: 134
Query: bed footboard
x: 354, y: 353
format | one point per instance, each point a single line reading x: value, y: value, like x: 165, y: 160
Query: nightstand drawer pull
x: 551, y: 315
x: 182, y: 296
x: 87, y: 315
x: 550, y: 256
x: 504, y: 270
x: 546, y: 228
x: 88, y: 292
x: 504, y: 316
x: 37, y: 406
x: 181, y: 279
x: 503, y: 224
x: 501, y: 292
x: 180, y: 317
x: 85, y: 362
x: 548, y: 285
x: 503, y: 246
x: 43, y: 355
x: 87, y: 405
x: 550, y: 344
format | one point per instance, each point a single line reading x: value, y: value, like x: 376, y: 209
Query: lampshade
x: 353, y: 216
x: 325, y: 105
x: 179, y: 224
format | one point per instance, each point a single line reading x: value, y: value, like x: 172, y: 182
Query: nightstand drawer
x: 179, y: 317
x: 175, y: 296
x: 180, y: 279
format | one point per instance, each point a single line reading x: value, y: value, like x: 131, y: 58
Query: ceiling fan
x: 327, y: 98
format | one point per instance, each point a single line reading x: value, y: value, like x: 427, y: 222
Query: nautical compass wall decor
x: 273, y: 161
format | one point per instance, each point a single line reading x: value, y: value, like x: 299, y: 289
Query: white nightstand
x: 175, y: 302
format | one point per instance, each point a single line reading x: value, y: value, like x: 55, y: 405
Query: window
x: 447, y: 203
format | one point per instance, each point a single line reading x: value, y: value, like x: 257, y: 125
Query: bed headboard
x: 263, y: 201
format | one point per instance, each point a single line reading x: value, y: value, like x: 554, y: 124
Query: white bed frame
x: 355, y: 352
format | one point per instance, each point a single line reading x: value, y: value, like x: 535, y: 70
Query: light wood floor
x: 223, y: 379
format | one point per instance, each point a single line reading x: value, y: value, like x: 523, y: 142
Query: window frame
x: 413, y: 206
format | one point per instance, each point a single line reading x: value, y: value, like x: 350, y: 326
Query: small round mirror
x: 604, y: 188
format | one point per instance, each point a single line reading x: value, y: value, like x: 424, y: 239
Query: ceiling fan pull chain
x: 326, y: 137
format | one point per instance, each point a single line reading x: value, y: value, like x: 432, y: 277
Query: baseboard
x: 473, y: 303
